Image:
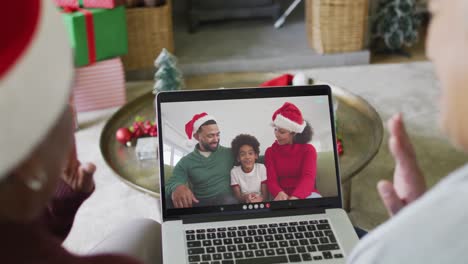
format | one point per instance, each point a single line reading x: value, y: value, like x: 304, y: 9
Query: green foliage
x: 396, y: 23
x: 168, y: 77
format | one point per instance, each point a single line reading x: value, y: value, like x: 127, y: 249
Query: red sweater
x: 291, y: 168
x: 40, y: 242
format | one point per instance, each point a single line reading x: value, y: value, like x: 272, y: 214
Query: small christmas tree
x: 168, y: 77
x: 396, y: 24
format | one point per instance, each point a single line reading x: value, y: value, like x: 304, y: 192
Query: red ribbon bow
x: 89, y: 31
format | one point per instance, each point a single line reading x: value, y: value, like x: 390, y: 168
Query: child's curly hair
x: 244, y: 139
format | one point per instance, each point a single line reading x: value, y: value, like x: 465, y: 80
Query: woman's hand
x: 281, y: 196
x: 293, y: 198
x: 79, y: 176
x: 408, y: 181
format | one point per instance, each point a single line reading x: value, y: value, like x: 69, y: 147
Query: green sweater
x: 207, y: 177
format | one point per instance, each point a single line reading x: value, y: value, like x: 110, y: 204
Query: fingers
x: 183, y: 197
x: 85, y: 179
x: 178, y: 204
x: 88, y: 169
x: 399, y: 141
x: 187, y: 201
x: 389, y: 197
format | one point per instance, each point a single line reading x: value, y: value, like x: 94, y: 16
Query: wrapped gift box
x: 98, y: 86
x: 96, y: 34
x: 89, y: 3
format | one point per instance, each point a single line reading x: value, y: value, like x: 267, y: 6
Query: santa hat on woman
x: 195, y: 123
x: 36, y: 71
x: 289, y: 117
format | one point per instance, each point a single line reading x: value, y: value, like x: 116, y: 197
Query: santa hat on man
x: 36, y: 71
x: 195, y: 123
x: 289, y: 117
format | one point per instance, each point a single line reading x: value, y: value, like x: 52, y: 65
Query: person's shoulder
x: 190, y: 156
x: 224, y: 149
x: 307, y: 148
x: 261, y: 169
x: 236, y: 170
x: 270, y: 148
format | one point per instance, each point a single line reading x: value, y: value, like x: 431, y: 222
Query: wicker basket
x: 336, y: 25
x: 149, y: 31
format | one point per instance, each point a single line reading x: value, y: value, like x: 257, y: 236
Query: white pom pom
x: 300, y: 79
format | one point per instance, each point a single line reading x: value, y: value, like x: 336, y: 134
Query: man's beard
x: 208, y: 147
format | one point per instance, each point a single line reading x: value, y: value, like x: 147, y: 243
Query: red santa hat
x: 287, y: 79
x: 289, y: 117
x: 36, y: 72
x: 195, y: 123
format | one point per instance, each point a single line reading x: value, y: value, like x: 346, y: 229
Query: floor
x: 248, y: 45
x: 254, y: 45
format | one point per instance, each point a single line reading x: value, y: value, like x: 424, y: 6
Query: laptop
x: 308, y: 230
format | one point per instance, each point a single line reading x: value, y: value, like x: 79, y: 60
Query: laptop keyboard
x: 265, y: 243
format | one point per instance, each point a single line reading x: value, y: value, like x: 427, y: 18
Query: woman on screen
x: 291, y: 161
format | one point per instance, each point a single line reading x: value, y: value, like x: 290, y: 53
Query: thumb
x: 389, y: 197
x: 84, y: 181
x: 194, y: 199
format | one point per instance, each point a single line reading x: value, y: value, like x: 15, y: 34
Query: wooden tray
x: 359, y: 124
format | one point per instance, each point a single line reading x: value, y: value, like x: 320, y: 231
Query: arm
x: 179, y: 177
x: 263, y: 185
x: 74, y: 187
x: 308, y: 174
x: 272, y: 177
x: 408, y: 180
x: 176, y: 188
x: 264, y: 192
x: 236, y: 187
x: 237, y: 193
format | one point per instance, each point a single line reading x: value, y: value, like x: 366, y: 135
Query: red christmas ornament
x: 139, y: 128
x: 339, y: 145
x: 123, y: 135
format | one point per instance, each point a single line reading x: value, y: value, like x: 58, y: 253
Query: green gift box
x: 96, y: 34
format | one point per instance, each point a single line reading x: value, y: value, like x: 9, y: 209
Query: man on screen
x: 202, y: 178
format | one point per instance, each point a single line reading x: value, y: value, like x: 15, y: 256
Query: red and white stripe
x: 99, y: 86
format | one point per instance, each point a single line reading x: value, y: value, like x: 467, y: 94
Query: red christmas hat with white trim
x: 195, y: 123
x: 36, y: 72
x: 289, y: 117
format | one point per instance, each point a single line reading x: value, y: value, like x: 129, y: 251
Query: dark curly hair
x: 244, y: 139
x: 304, y: 137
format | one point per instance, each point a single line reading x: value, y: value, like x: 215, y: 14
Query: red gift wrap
x: 99, y: 86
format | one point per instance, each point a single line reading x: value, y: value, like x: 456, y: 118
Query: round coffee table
x: 358, y: 123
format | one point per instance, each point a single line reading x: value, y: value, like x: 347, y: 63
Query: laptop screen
x: 247, y: 150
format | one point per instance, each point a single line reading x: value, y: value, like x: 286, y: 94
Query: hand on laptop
x: 182, y: 197
x: 281, y: 196
x: 408, y: 181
